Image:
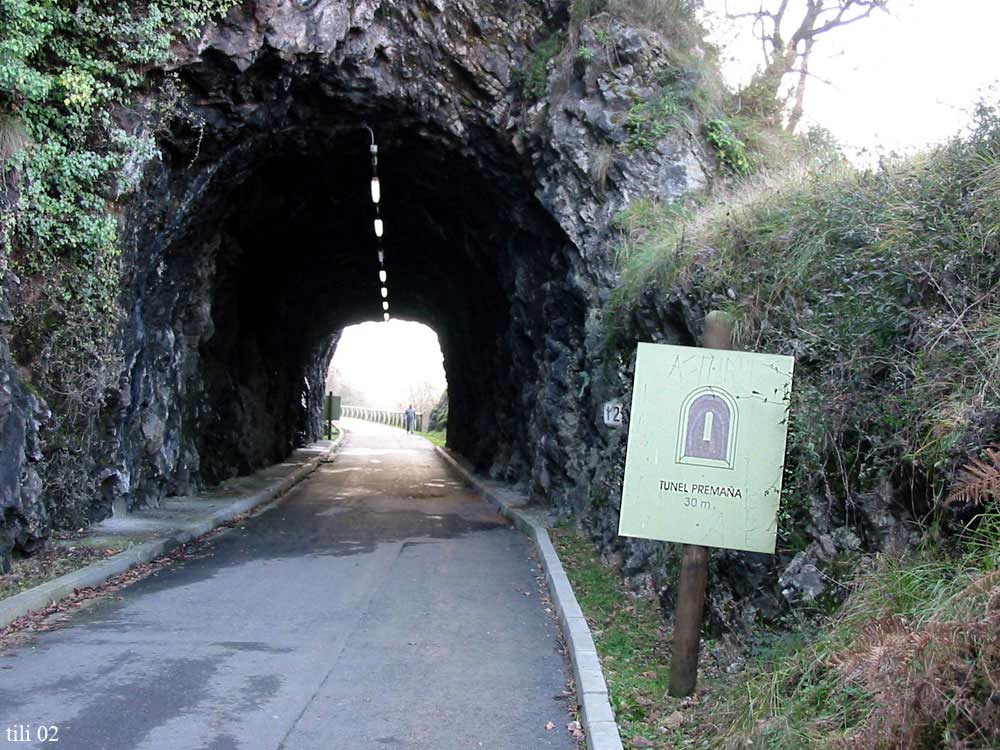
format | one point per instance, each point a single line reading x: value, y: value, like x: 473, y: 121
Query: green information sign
x: 706, y: 447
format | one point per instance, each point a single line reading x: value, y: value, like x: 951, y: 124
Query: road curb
x: 598, y: 719
x: 46, y: 594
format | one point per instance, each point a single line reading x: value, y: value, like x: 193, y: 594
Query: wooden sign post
x: 706, y: 450
x: 694, y: 564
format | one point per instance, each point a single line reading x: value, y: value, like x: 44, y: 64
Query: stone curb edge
x: 592, y: 691
x: 45, y: 594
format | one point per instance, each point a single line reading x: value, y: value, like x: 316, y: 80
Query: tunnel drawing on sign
x: 708, y: 424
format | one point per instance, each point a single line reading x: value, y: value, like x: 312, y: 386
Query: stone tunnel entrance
x: 246, y: 239
x: 255, y: 242
x: 279, y: 251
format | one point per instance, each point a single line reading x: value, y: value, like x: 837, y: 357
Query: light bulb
x: 385, y: 293
x: 385, y: 317
x: 382, y: 276
x: 381, y: 257
x: 376, y: 190
x: 385, y: 306
x: 378, y: 227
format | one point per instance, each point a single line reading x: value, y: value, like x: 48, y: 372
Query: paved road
x: 381, y: 605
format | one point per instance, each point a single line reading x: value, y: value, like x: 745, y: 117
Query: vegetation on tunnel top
x: 883, y: 284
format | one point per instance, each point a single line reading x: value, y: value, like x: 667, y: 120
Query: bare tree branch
x: 806, y: 71
x: 792, y: 55
x: 841, y: 21
x: 800, y: 87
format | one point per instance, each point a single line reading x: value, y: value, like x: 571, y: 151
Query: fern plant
x: 979, y: 480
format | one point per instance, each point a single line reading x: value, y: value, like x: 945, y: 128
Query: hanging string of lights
x: 383, y: 276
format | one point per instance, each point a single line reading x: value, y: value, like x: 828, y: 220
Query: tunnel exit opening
x: 387, y: 367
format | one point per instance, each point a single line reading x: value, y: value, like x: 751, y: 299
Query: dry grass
x: 601, y: 165
x: 979, y: 480
x: 936, y: 684
x: 674, y: 19
x: 910, y: 662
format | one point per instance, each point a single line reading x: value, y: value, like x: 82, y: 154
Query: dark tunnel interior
x: 297, y: 263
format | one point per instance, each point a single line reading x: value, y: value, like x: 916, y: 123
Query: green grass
x: 630, y: 637
x: 439, y: 437
x: 908, y: 663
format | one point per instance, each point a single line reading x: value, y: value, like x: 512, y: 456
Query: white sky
x: 901, y: 80
x: 386, y: 360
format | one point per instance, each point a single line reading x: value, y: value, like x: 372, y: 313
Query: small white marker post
x: 614, y: 414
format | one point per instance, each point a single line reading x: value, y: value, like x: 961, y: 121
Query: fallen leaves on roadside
x: 50, y: 562
x: 640, y: 741
x: 575, y: 729
x: 549, y: 726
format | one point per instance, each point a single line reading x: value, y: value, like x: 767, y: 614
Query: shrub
x: 731, y: 151
x: 534, y: 78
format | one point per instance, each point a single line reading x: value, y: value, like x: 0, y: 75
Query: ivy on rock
x: 68, y: 71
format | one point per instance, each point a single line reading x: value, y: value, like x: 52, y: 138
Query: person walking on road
x: 411, y: 418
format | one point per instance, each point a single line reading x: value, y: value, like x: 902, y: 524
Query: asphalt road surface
x: 380, y: 605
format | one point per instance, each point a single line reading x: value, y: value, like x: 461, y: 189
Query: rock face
x: 249, y: 247
x: 24, y: 521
